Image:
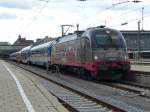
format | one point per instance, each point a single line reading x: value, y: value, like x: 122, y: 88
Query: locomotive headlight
x: 126, y: 57
x: 95, y: 57
x: 107, y: 31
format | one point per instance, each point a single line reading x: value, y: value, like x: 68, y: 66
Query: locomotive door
x: 82, y: 50
x: 85, y: 49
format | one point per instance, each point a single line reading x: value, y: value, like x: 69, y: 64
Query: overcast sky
x: 36, y: 19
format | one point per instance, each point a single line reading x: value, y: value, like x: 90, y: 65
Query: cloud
x: 34, y: 18
x: 21, y: 4
x: 7, y: 16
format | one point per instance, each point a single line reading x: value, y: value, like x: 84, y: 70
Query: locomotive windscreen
x: 108, y: 39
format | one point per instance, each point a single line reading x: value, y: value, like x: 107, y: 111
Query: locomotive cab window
x: 102, y: 40
x: 107, y: 40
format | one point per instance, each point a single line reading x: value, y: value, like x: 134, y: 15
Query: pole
x: 105, y: 22
x: 62, y: 30
x: 139, y: 43
x: 142, y: 17
x: 77, y: 27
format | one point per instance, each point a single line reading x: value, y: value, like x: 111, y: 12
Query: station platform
x: 19, y: 93
x: 140, y: 61
x: 142, y: 68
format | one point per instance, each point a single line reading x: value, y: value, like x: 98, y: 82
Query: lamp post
x: 139, y: 40
x: 142, y: 18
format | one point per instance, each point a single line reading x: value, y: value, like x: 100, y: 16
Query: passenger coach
x: 40, y: 54
x: 16, y: 56
x: 25, y: 54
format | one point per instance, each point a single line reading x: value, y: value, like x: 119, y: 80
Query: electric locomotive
x: 98, y: 52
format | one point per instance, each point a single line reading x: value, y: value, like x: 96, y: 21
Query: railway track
x: 135, y: 84
x: 78, y: 100
x: 131, y: 87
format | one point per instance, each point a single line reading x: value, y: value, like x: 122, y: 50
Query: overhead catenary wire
x: 131, y: 20
x: 110, y: 7
x: 125, y: 13
x: 114, y: 5
x: 47, y: 1
x: 38, y: 10
x: 118, y: 4
x: 34, y: 17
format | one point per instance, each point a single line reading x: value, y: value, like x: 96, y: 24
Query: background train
x: 97, y: 52
x: 144, y: 54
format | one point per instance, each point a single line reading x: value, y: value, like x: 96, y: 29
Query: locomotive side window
x: 118, y: 40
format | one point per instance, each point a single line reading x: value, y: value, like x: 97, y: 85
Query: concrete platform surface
x: 140, y: 61
x: 143, y: 68
x: 19, y: 93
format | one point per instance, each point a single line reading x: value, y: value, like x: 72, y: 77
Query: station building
x: 136, y: 40
x: 6, y: 48
x: 23, y: 41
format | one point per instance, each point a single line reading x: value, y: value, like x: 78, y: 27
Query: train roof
x: 15, y: 53
x: 69, y: 37
x: 41, y: 46
x: 101, y: 28
x: 26, y: 48
x: 76, y: 34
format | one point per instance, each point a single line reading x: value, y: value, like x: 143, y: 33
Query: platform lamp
x: 139, y: 40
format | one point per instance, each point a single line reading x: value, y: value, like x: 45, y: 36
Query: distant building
x: 4, y: 43
x: 43, y: 40
x: 132, y: 39
x: 23, y: 41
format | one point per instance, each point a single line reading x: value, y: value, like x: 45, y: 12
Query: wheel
x: 82, y: 73
x: 88, y: 75
x: 47, y: 68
